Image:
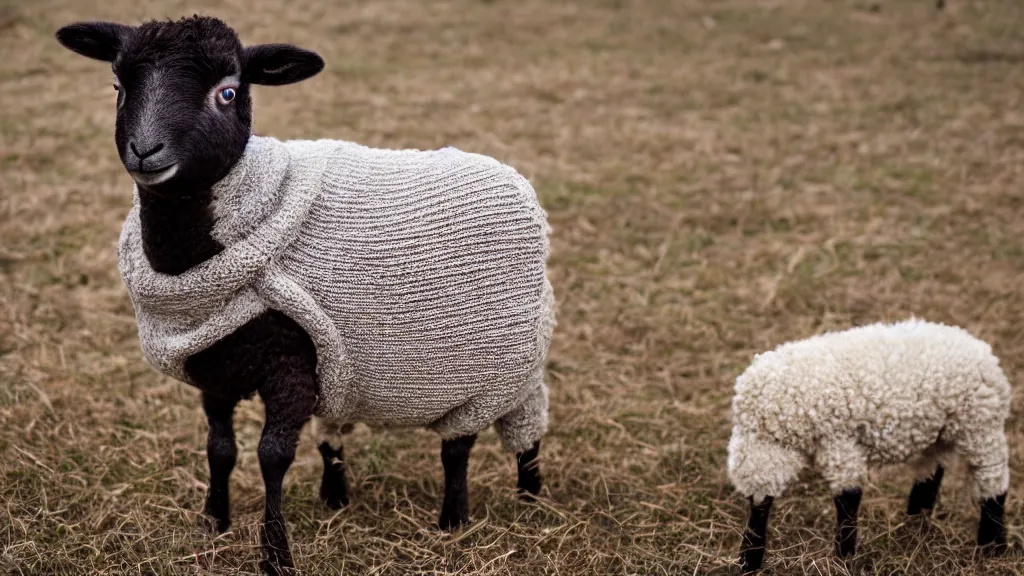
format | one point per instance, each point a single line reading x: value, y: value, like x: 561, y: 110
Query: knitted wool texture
x: 911, y: 392
x: 419, y: 276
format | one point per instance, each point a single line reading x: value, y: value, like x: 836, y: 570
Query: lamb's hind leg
x: 455, y: 458
x: 520, y: 431
x: 528, y: 467
x: 334, y: 486
x: 987, y: 456
x: 925, y: 493
x: 844, y: 465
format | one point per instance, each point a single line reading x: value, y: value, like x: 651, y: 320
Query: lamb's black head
x: 184, y: 113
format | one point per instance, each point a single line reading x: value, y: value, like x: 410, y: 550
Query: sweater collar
x: 251, y: 191
x: 261, y: 207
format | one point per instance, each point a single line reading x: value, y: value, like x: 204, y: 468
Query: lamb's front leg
x: 455, y: 458
x: 755, y: 536
x: 847, y: 506
x: 221, y: 453
x: 520, y: 430
x: 289, y: 400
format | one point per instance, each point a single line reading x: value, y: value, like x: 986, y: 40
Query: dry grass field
x: 720, y: 176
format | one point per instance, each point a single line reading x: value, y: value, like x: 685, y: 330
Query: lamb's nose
x: 147, y: 153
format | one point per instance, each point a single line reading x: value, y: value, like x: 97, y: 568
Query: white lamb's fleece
x: 910, y: 392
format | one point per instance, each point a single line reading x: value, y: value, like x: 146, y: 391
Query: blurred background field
x: 720, y: 177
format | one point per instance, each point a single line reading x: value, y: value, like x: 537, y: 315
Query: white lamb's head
x: 184, y: 113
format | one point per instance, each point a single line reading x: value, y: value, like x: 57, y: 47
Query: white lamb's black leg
x: 755, y: 536
x: 529, y: 472
x: 455, y: 458
x: 847, y: 506
x: 990, y: 467
x: 991, y: 527
x: 924, y: 494
x: 334, y: 486
x: 289, y: 400
x: 221, y: 454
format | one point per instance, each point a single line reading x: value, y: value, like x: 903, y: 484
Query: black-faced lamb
x: 911, y: 392
x: 396, y: 288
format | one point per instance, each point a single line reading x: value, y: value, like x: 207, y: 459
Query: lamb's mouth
x: 154, y: 177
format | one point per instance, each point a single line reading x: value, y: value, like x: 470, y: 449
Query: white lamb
x: 912, y: 392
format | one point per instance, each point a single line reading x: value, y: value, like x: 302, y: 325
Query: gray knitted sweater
x: 420, y: 277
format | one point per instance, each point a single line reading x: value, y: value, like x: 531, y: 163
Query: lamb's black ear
x: 277, y: 64
x: 99, y: 40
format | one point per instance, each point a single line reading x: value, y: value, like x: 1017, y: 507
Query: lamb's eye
x: 226, y: 95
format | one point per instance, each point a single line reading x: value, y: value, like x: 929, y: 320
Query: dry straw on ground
x: 720, y: 176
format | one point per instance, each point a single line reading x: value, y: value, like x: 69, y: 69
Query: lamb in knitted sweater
x: 397, y: 288
x: 420, y: 277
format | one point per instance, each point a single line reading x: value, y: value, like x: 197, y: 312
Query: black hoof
x: 332, y: 499
x: 216, y: 520
x: 452, y: 522
x: 525, y: 496
x: 845, y: 552
x: 335, y: 503
x: 994, y: 549
x: 277, y: 568
x: 216, y: 525
x: 751, y: 560
x: 529, y: 488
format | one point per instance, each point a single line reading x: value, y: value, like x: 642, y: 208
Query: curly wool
x: 910, y: 392
x: 420, y: 276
